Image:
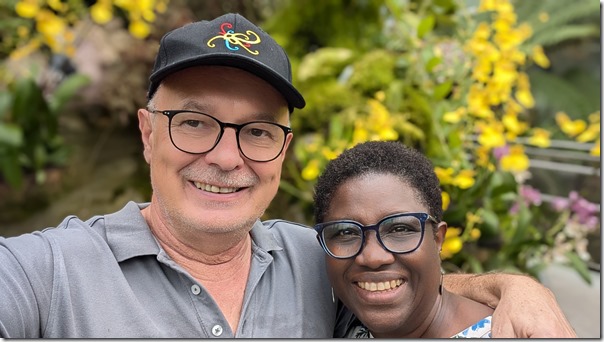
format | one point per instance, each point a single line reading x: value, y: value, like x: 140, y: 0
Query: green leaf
x: 523, y: 223
x: 5, y: 102
x: 9, y: 165
x: 490, y: 223
x: 294, y: 191
x: 445, y: 4
x: 29, y: 105
x: 418, y: 101
x: 336, y: 128
x: 425, y: 26
x: 501, y: 183
x: 40, y: 176
x: 66, y: 90
x: 432, y: 62
x: 580, y: 266
x: 565, y: 33
x: 11, y: 134
x: 475, y: 264
x: 442, y: 90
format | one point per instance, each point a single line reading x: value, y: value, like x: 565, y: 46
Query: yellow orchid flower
x: 27, y: 9
x: 511, y: 123
x: 516, y: 160
x: 540, y: 138
x: 475, y: 234
x: 591, y: 133
x: 139, y: 29
x: 328, y: 153
x: 446, y: 198
x: 464, y: 179
x: 311, y: 170
x: 455, y: 116
x: 595, y: 151
x: 452, y: 244
x: 491, y: 137
x: 568, y: 126
x: 445, y: 176
x: 540, y: 58
x: 101, y: 12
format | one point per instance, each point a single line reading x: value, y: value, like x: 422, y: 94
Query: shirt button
x: 195, y: 289
x: 217, y: 330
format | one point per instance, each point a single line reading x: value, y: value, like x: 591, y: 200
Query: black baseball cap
x: 229, y: 40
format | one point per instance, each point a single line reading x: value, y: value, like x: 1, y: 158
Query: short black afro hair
x: 380, y: 157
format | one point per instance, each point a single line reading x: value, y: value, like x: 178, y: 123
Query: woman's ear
x: 440, y: 235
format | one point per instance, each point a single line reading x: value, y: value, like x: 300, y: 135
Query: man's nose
x: 226, y: 153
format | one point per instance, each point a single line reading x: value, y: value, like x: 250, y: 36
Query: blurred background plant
x: 40, y: 82
x: 453, y: 79
x: 500, y: 95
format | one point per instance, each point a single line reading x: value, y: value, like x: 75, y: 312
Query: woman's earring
x: 440, y: 287
x: 333, y: 297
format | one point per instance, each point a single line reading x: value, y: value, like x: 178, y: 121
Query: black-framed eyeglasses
x: 398, y: 233
x: 198, y: 133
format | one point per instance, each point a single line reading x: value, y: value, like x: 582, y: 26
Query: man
x: 196, y: 261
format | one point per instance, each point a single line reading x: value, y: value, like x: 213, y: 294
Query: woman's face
x: 407, y: 308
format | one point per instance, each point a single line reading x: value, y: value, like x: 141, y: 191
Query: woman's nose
x: 373, y: 254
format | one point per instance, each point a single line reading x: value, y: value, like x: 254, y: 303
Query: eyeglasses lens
x: 199, y: 133
x: 398, y: 234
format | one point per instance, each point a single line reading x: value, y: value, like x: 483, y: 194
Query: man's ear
x: 146, y: 127
x: 288, y: 140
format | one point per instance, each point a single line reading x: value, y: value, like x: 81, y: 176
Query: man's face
x: 220, y: 191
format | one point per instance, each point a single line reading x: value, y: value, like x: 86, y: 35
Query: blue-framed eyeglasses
x: 398, y: 233
x: 197, y: 133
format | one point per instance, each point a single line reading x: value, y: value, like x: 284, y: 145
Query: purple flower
x: 560, y: 203
x: 530, y: 194
x: 500, y: 152
x: 584, y: 210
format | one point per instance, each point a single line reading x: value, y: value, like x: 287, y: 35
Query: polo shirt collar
x: 129, y: 235
x: 263, y: 238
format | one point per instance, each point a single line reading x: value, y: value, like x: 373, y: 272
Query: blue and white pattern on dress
x: 482, y: 329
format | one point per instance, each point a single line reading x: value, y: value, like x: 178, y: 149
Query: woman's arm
x: 524, y: 308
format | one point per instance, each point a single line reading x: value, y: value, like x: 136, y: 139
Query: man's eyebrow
x: 264, y: 116
x: 196, y: 106
x: 204, y: 108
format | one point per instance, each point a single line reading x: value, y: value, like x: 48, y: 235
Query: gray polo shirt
x: 108, y: 277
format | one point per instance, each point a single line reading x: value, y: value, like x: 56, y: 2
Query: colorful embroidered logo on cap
x: 234, y: 40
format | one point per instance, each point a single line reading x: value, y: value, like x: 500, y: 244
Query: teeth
x: 380, y: 286
x: 214, y: 188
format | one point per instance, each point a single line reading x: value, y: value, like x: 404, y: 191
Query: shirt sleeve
x: 21, y: 272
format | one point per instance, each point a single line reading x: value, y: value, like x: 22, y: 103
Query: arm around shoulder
x: 524, y: 307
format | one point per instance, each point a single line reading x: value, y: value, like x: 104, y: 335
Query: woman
x: 378, y: 210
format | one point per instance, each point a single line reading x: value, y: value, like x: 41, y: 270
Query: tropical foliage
x: 33, y: 97
x: 453, y: 80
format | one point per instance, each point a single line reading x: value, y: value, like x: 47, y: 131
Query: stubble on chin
x: 191, y: 224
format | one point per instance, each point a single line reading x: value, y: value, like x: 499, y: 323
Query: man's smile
x: 215, y: 189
